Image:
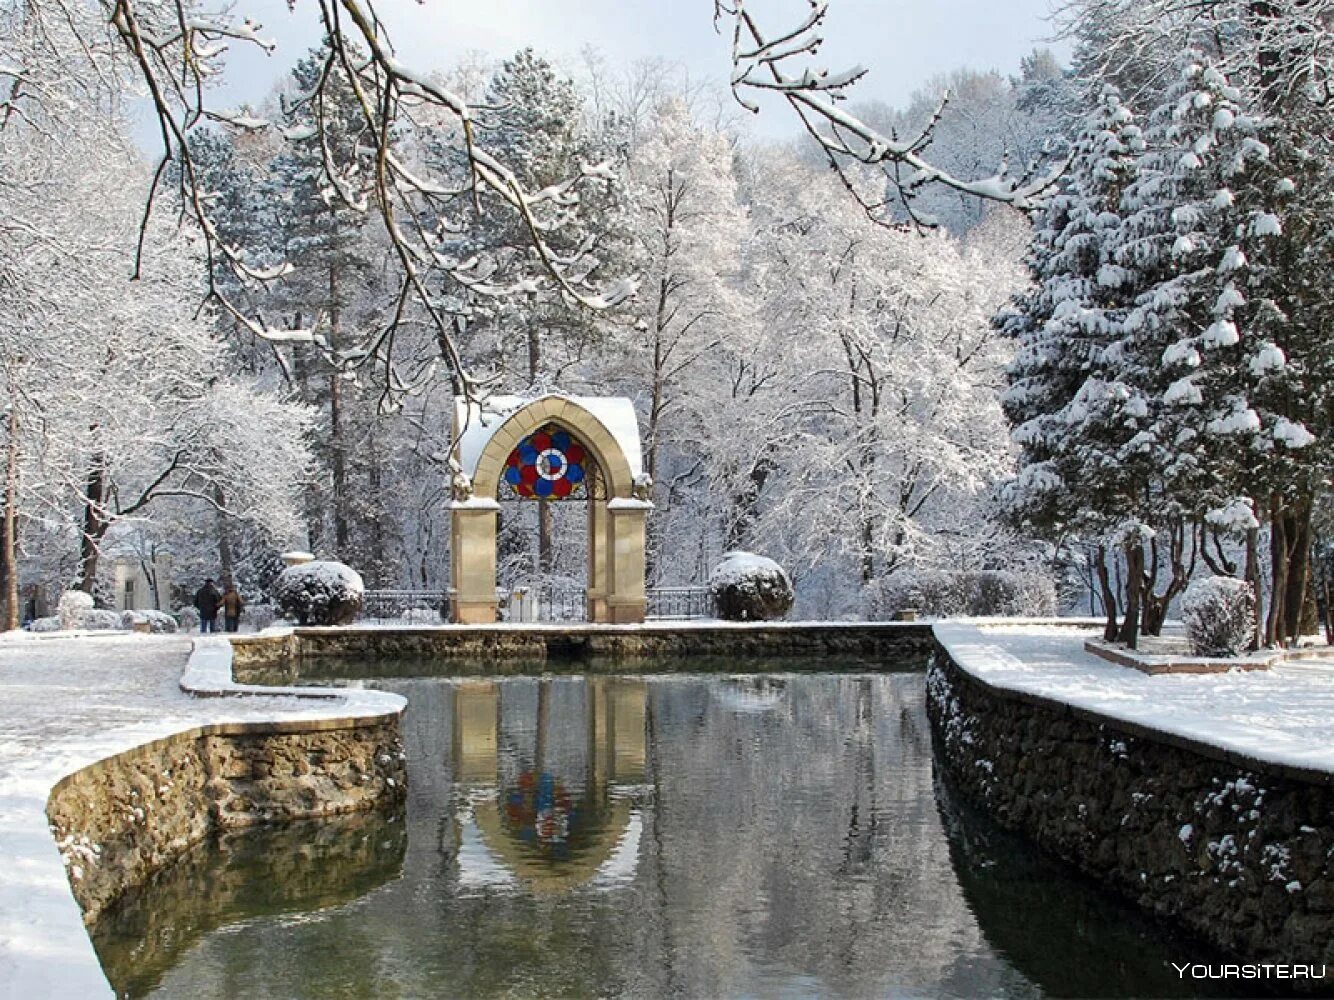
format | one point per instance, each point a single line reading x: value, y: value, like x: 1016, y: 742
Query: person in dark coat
x: 207, y: 600
x: 232, y: 604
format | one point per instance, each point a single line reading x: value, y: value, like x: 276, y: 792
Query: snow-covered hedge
x: 260, y: 616
x: 73, y: 605
x: 747, y: 587
x: 99, y: 620
x: 952, y: 593
x: 319, y: 593
x: 420, y: 616
x: 157, y: 621
x: 1219, y: 613
x: 75, y: 611
x: 188, y: 616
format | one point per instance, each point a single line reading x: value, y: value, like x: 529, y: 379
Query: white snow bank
x: 1284, y: 715
x: 480, y: 422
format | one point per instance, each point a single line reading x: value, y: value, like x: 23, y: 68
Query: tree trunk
x: 1278, y: 575
x: 378, y: 557
x: 95, y: 524
x: 1252, y: 576
x: 1298, y: 533
x: 1108, y: 595
x: 9, y: 563
x: 224, y: 538
x: 337, y: 444
x: 546, y: 553
x: 745, y: 504
x: 1321, y: 576
x: 1155, y: 604
x: 1134, y: 553
x: 313, y: 503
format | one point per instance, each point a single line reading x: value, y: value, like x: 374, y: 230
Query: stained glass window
x: 548, y: 464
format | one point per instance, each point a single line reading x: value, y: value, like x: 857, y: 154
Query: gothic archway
x: 492, y: 442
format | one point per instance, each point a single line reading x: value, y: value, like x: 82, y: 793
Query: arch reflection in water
x: 549, y: 782
x: 766, y: 836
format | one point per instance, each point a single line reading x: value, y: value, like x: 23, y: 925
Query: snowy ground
x: 66, y: 702
x: 1284, y: 714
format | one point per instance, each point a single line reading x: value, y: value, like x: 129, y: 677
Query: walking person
x: 207, y: 600
x: 232, y: 606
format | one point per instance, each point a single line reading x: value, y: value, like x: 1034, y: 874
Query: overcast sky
x: 902, y: 42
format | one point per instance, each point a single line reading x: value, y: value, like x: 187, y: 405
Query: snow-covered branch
x: 779, y: 62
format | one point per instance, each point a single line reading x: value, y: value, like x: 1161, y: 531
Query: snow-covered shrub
x: 1001, y: 592
x: 420, y: 616
x: 747, y: 587
x: 322, y: 592
x: 158, y: 622
x: 51, y: 624
x: 188, y: 616
x: 952, y: 593
x: 260, y: 616
x: 73, y: 605
x: 1219, y: 613
x: 99, y: 620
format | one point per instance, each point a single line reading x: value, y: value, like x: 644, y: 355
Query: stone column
x: 597, y: 560
x: 472, y: 561
x: 625, y: 559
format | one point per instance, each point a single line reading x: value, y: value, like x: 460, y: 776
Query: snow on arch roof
x: 477, y: 424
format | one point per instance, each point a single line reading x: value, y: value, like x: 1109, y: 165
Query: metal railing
x: 404, y: 605
x: 539, y: 603
x: 534, y: 603
x: 679, y: 602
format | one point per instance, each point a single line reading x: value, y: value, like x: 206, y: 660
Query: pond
x: 778, y: 835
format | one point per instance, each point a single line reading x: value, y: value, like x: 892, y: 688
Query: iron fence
x: 404, y: 605
x: 679, y: 602
x: 531, y: 603
x: 545, y: 603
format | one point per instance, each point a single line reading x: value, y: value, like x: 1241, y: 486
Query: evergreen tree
x: 1063, y: 324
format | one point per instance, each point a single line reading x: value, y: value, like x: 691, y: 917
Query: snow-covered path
x: 1284, y: 715
x: 65, y: 703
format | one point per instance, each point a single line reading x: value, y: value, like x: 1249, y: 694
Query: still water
x: 651, y: 836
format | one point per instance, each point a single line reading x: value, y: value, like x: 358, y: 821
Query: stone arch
x: 575, y: 418
x: 616, y: 522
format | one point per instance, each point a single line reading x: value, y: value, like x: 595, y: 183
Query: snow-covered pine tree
x: 1199, y: 224
x: 321, y: 181
x: 1062, y: 323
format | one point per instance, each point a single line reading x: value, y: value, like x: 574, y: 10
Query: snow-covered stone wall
x: 1237, y: 850
x: 121, y: 819
x: 279, y: 658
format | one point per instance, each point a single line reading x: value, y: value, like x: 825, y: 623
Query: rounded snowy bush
x: 747, y: 587
x: 1219, y: 613
x: 74, y: 604
x: 51, y: 624
x: 188, y: 616
x: 319, y: 593
x: 158, y: 622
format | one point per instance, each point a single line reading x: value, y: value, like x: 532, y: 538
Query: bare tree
x: 778, y: 61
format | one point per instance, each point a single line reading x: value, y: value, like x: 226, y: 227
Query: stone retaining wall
x: 119, y: 820
x: 1237, y: 850
x: 593, y: 648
